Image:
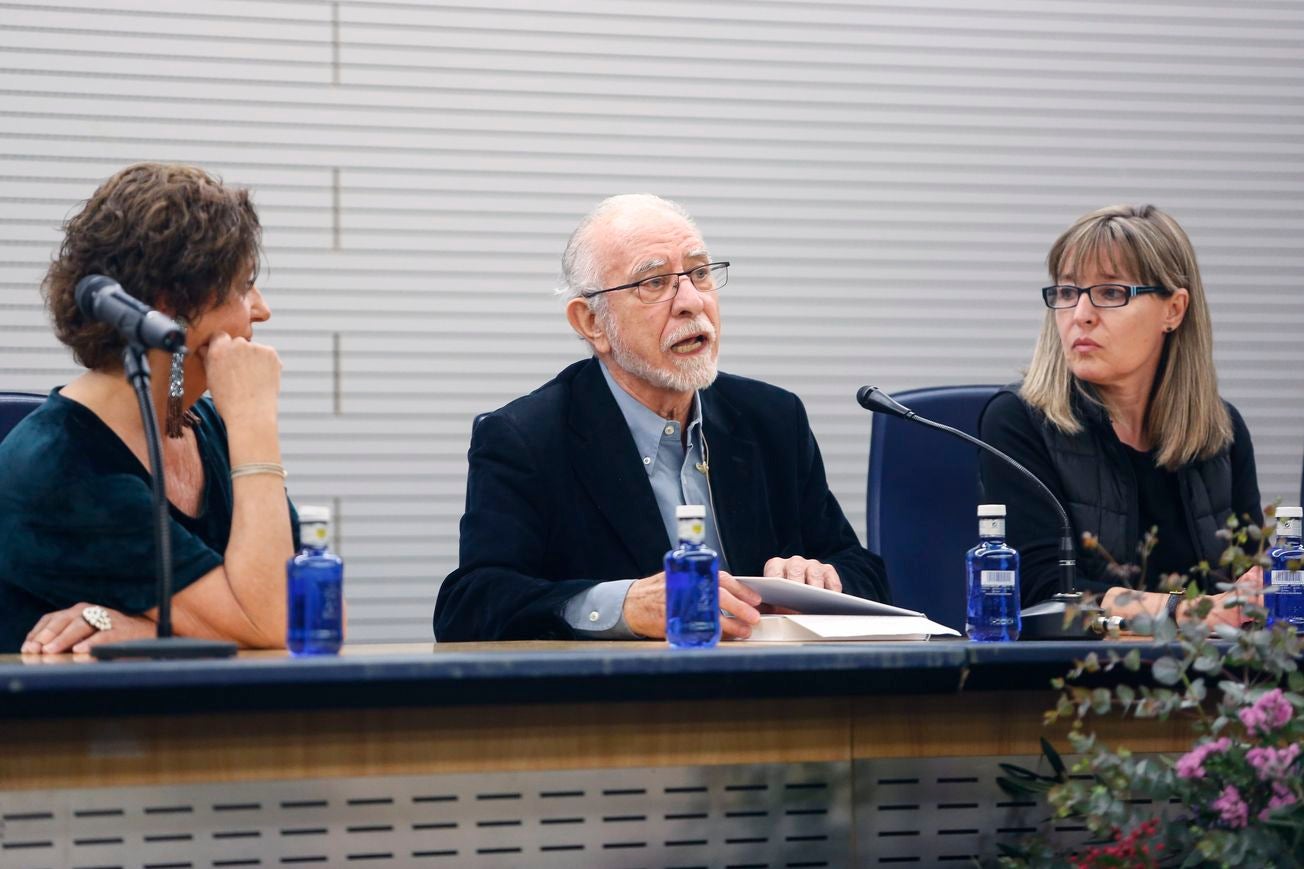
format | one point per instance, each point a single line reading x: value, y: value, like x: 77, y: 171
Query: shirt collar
x: 646, y: 426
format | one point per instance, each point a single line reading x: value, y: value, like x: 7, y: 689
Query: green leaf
x: 1126, y: 694
x: 1053, y: 758
x: 1209, y: 660
x: 1133, y: 660
x: 1101, y: 701
x: 1296, y: 681
x: 1166, y: 670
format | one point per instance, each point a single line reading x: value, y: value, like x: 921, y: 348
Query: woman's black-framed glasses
x: 663, y: 288
x: 1101, y: 295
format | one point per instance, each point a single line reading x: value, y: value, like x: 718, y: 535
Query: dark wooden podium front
x: 530, y: 754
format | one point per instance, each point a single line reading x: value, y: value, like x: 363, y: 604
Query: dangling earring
x: 177, y: 391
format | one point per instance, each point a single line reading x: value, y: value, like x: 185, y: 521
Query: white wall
x: 885, y: 177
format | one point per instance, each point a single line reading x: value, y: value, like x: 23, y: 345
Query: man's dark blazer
x: 558, y: 499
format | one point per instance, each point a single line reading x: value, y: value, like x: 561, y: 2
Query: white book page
x: 808, y: 628
x: 817, y: 601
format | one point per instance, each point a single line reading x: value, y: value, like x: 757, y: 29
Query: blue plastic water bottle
x: 992, y: 570
x: 1286, y: 574
x: 692, y: 584
x: 315, y: 585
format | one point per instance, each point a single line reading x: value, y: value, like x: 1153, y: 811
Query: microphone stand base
x: 165, y: 648
x: 1046, y: 620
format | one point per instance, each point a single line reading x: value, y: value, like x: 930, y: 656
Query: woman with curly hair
x: 76, y: 518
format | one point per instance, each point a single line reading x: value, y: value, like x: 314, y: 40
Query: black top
x: 1160, y: 507
x: 557, y: 500
x: 77, y: 517
x: 1033, y: 527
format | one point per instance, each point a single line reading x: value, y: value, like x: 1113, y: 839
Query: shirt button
x: 670, y: 429
x: 593, y: 616
x: 646, y: 460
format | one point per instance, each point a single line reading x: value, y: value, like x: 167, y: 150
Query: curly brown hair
x: 172, y: 235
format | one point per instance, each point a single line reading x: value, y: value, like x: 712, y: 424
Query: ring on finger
x: 97, y: 617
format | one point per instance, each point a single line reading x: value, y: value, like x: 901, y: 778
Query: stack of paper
x: 830, y: 615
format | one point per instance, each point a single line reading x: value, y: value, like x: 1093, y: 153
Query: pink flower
x: 1270, y: 712
x: 1281, y: 797
x: 1272, y: 763
x: 1191, y: 764
x: 1232, y: 809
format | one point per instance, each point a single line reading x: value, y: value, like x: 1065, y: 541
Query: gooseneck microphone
x: 101, y: 298
x: 1041, y: 621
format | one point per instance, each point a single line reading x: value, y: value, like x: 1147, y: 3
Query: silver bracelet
x: 249, y: 469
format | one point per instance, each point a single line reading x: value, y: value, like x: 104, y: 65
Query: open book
x: 831, y: 615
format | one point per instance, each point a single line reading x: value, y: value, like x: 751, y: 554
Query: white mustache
x: 697, y: 326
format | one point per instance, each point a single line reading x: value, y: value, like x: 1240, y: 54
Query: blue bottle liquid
x: 992, y: 573
x: 1286, y: 574
x: 692, y: 584
x: 315, y: 585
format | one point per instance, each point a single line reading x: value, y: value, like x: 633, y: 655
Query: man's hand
x: 65, y: 630
x: 804, y: 570
x: 645, y: 607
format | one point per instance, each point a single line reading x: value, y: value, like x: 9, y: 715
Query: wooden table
x: 742, y: 755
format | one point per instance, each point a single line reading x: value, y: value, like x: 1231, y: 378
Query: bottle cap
x: 690, y: 511
x: 309, y: 514
x: 1290, y: 513
x: 991, y: 509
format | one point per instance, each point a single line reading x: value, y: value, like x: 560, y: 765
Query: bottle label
x: 1291, y: 579
x: 692, y: 530
x: 997, y: 580
x: 1288, y: 527
x: 315, y: 534
x: 991, y: 526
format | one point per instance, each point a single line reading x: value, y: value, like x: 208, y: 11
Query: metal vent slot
x: 943, y: 810
x: 771, y: 815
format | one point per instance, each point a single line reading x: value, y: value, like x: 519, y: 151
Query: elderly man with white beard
x: 572, y: 489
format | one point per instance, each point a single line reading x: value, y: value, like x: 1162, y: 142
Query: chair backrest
x: 14, y: 406
x: 922, y: 499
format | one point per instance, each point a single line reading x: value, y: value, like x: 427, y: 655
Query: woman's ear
x: 1175, y: 308
x: 163, y: 306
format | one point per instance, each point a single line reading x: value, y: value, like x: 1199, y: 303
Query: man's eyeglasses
x: 663, y: 288
x: 1101, y: 295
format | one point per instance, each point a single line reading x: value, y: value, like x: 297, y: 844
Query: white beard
x: 689, y: 374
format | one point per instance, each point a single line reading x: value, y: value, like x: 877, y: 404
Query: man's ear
x: 584, y: 321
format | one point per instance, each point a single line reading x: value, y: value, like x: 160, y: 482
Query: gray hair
x: 580, y: 269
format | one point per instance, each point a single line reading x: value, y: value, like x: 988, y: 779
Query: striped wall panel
x: 886, y: 179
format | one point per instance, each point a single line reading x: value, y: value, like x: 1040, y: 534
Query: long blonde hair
x: 1186, y: 420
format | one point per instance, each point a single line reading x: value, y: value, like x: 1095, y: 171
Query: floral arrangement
x: 1236, y: 798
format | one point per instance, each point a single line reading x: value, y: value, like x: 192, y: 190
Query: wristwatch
x: 1175, y: 598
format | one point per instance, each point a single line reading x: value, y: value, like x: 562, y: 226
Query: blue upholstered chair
x: 14, y: 406
x: 923, y: 497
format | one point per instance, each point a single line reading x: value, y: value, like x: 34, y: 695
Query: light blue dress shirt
x: 676, y: 468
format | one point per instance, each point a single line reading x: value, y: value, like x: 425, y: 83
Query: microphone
x: 103, y: 299
x: 1041, y: 621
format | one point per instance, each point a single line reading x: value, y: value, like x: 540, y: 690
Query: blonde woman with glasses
x: 1119, y: 414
